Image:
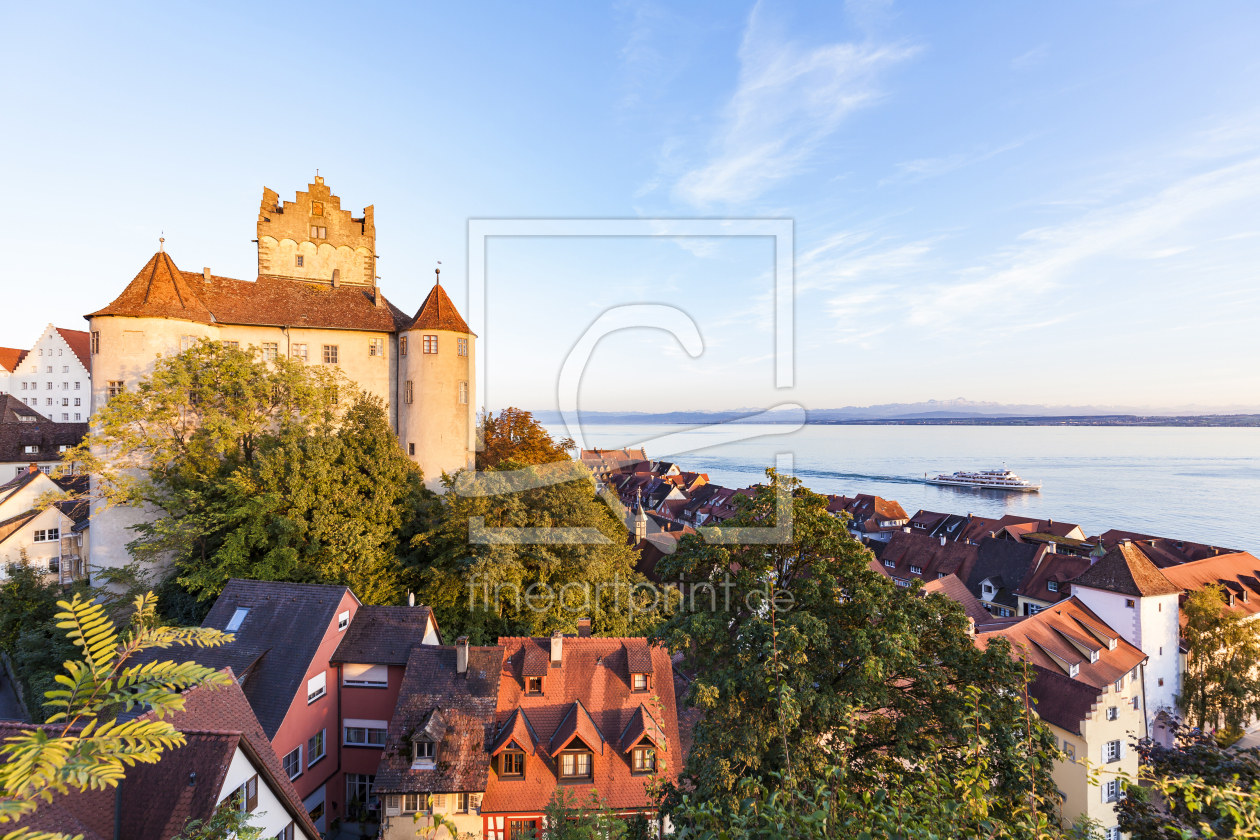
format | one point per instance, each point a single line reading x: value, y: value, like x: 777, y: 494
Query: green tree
x: 485, y: 583
x: 224, y: 824
x: 800, y: 639
x: 257, y: 468
x: 84, y: 746
x: 569, y: 818
x: 1220, y: 685
x: 514, y: 435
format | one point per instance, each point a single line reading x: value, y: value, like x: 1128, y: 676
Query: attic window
x: 644, y: 759
x: 533, y: 685
x: 237, y: 618
x: 343, y: 621
x: 1052, y: 585
x: 641, y: 682
x: 422, y: 752
x: 916, y: 570
x: 576, y: 763
x: 512, y: 763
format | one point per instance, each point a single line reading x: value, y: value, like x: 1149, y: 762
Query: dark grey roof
x: 275, y: 644
x: 16, y: 434
x: 465, y: 704
x: 1004, y: 560
x: 383, y: 635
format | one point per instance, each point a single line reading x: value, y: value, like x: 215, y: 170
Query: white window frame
x: 1113, y: 751
x: 367, y: 728
x: 238, y: 618
x: 284, y: 762
x: 311, y: 757
x: 365, y: 675
x: 343, y: 620
x: 316, y: 687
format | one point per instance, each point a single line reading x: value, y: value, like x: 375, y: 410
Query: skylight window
x: 237, y: 618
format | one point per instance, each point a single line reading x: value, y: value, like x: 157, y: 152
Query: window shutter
x: 392, y: 806
x: 251, y: 793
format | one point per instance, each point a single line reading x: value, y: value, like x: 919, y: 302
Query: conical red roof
x: 438, y: 313
x: 159, y: 291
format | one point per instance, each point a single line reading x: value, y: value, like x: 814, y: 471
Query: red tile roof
x: 577, y: 725
x: 1056, y: 568
x: 161, y: 290
x: 1162, y: 551
x: 594, y: 675
x: 1126, y: 570
x: 10, y: 358
x: 438, y: 313
x: 927, y: 553
x: 1238, y: 573
x: 955, y: 590
x: 642, y: 726
x: 516, y: 731
x: 80, y: 344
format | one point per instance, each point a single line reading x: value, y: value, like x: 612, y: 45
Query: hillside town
x: 348, y: 718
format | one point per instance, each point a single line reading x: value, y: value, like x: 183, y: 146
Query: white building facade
x: 55, y: 377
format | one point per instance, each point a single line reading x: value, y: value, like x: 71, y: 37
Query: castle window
x: 298, y: 351
x: 463, y: 393
x: 317, y: 208
x: 319, y: 232
x: 299, y: 260
x: 411, y: 449
x: 376, y: 347
x: 463, y: 346
x: 330, y: 354
x: 270, y: 350
x: 115, y: 388
x: 336, y: 276
x: 96, y: 342
x: 407, y: 392
x: 402, y: 345
x: 430, y: 344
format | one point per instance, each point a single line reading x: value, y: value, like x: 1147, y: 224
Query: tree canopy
x: 514, y: 435
x: 1220, y: 685
x: 795, y: 641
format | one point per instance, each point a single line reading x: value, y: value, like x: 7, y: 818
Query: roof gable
x: 438, y: 313
x: 158, y: 291
x: 577, y: 724
x: 383, y: 635
x: 1127, y: 571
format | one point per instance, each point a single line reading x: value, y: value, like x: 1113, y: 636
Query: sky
x: 1018, y: 203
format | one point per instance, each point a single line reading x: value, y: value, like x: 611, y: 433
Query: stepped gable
x: 160, y: 290
x: 438, y: 313
x: 1127, y: 571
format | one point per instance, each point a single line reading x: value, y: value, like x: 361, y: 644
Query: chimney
x: 34, y: 467
x: 461, y: 655
x: 1126, y: 541
x: 942, y: 539
x: 584, y: 628
x: 1050, y: 522
x: 205, y: 274
x: 411, y: 599
x: 377, y: 299
x: 557, y: 648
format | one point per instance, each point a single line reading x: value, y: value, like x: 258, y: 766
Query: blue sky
x: 1053, y: 203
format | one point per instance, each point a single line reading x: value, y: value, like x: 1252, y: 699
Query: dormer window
x: 640, y: 682
x: 644, y: 759
x: 533, y: 685
x: 577, y: 762
x: 422, y: 752
x: 1052, y: 585
x: 512, y: 764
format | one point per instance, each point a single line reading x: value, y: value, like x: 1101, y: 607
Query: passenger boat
x: 1002, y: 479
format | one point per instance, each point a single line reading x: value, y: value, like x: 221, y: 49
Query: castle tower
x: 313, y: 239
x: 436, y: 407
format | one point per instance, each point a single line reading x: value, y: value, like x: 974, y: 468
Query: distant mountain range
x: 931, y: 410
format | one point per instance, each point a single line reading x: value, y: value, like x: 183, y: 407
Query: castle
x: 315, y: 299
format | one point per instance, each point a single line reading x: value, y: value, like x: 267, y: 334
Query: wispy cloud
x: 922, y: 168
x: 788, y: 99
x: 1031, y: 58
x: 1154, y: 227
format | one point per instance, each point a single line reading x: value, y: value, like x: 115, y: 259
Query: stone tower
x: 313, y: 239
x: 436, y: 387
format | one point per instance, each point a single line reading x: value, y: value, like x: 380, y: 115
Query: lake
x: 1193, y: 484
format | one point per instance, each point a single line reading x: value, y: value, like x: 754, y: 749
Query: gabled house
x: 1001, y: 565
x: 29, y: 437
x: 1131, y: 594
x: 1046, y: 582
x: 10, y: 359
x: 53, y: 540
x: 873, y: 517
x: 1088, y: 686
x: 285, y: 635
x: 933, y: 524
x: 55, y: 376
x: 910, y: 556
x: 226, y: 762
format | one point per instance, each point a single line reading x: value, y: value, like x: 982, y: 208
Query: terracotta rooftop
x: 80, y: 342
x: 1163, y: 551
x: 1124, y: 569
x: 438, y: 313
x: 16, y: 434
x: 1238, y: 573
x: 929, y: 555
x: 955, y: 590
x: 10, y: 358
x: 161, y: 290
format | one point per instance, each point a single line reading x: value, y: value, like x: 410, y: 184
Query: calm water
x: 1195, y: 484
